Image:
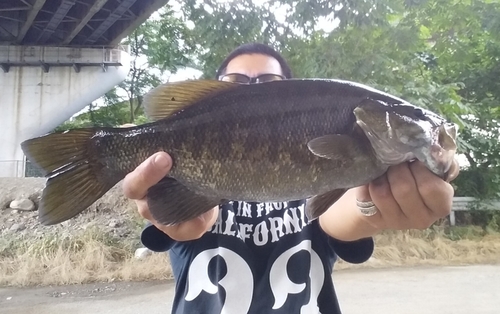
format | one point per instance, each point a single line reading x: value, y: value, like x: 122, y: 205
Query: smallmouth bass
x: 267, y: 142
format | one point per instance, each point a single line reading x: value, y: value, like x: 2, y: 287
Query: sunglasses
x: 245, y: 79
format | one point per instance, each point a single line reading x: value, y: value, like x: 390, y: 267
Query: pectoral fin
x: 319, y: 204
x: 334, y: 146
x: 171, y: 203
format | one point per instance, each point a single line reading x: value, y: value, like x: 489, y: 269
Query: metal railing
x: 19, y: 168
x: 54, y: 56
x: 470, y: 203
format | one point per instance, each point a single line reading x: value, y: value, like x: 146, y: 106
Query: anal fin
x: 172, y: 203
x: 319, y: 204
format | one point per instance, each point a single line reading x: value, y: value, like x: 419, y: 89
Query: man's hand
x: 147, y: 174
x: 408, y: 196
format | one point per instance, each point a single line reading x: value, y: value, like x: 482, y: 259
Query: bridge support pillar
x: 41, y: 87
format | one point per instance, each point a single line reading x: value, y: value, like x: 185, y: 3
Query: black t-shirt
x: 257, y: 258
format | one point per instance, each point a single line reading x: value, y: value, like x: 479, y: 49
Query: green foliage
x: 486, y: 220
x: 468, y: 48
x: 219, y: 27
x: 378, y: 43
x: 157, y: 46
x: 107, y: 116
x: 465, y: 232
x: 438, y: 54
x: 170, y: 45
x: 161, y: 44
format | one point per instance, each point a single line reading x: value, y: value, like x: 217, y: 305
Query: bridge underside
x: 75, y: 23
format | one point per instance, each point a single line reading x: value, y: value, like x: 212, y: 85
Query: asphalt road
x: 443, y: 290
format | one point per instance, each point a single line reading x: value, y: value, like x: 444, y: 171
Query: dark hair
x: 255, y: 48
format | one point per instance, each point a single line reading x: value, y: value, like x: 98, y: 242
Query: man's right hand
x: 147, y: 174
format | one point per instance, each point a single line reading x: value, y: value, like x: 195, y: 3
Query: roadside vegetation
x: 94, y: 256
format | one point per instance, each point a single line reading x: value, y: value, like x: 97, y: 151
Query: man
x: 263, y: 258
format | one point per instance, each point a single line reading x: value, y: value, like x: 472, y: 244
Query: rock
x: 17, y: 227
x: 14, y: 211
x: 113, y: 224
x: 142, y: 253
x: 22, y: 204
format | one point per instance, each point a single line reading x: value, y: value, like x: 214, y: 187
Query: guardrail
x: 464, y: 204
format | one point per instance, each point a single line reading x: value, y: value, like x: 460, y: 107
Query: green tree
x: 438, y: 54
x: 467, y: 50
x: 108, y: 116
x: 159, y: 45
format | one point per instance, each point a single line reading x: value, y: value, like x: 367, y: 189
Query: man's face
x: 253, y: 65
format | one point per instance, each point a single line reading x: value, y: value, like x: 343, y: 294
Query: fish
x: 269, y: 142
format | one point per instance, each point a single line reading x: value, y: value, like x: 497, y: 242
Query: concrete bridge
x: 56, y: 57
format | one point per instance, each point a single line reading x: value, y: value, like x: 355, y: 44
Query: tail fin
x: 75, y: 178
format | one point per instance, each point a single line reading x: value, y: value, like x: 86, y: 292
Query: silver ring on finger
x: 366, y: 208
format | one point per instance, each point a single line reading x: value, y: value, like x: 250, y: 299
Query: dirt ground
x: 422, y: 290
x: 111, y: 209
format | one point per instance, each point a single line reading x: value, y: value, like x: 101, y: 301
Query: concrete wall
x: 34, y: 102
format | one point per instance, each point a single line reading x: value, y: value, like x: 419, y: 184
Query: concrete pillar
x: 41, y: 87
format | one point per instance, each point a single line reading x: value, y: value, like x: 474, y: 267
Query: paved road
x: 436, y: 290
x: 429, y: 290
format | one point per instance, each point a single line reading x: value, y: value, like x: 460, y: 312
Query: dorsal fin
x: 169, y: 98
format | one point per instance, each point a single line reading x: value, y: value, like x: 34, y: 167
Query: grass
x: 94, y: 256
x: 436, y: 246
x: 87, y: 257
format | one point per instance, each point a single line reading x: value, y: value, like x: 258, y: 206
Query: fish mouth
x: 442, y: 151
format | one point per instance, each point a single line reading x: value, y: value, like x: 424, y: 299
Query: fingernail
x: 162, y: 161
